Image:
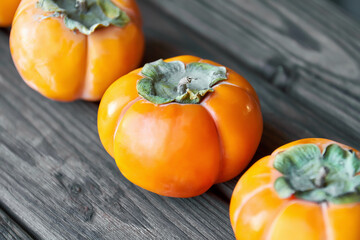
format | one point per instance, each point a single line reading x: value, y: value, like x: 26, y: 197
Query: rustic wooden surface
x: 10, y: 229
x: 56, y: 180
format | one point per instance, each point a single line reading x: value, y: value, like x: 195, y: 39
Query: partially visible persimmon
x: 69, y: 50
x: 7, y: 11
x: 308, y: 189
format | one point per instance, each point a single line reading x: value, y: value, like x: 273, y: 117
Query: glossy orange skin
x: 65, y: 65
x: 7, y: 11
x: 181, y: 150
x: 256, y: 211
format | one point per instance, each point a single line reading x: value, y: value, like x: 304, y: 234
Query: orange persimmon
x: 7, y: 11
x: 307, y: 189
x: 178, y: 126
x: 76, y: 49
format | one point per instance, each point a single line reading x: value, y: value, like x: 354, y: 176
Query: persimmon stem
x: 84, y: 16
x: 320, y: 179
x: 182, y: 86
x: 81, y: 5
x: 318, y: 175
x: 166, y: 82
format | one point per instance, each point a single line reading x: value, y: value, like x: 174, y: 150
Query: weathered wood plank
x: 9, y: 230
x: 263, y: 34
x: 55, y: 175
x: 312, y: 58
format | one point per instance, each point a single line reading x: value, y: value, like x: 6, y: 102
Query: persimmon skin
x: 7, y: 11
x: 66, y: 65
x: 257, y: 212
x: 180, y: 150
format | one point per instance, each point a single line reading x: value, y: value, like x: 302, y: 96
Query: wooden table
x: 57, y: 181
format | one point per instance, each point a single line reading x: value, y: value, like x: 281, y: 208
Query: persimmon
x: 307, y: 189
x: 75, y: 49
x: 7, y: 11
x: 178, y: 126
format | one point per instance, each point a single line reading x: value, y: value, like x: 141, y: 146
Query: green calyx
x: 166, y: 82
x: 330, y: 176
x: 85, y: 15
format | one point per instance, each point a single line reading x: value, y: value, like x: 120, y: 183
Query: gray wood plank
x: 56, y: 177
x: 9, y: 230
x: 307, y: 49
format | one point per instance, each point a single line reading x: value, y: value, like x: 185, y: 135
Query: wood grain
x: 311, y: 58
x: 57, y: 178
x: 9, y: 230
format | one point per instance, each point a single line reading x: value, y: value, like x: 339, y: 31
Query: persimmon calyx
x: 166, y: 82
x: 85, y: 15
x: 308, y: 174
